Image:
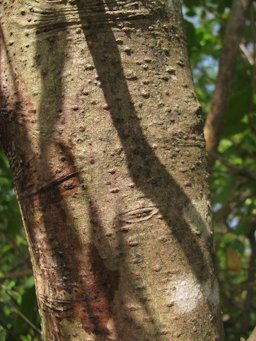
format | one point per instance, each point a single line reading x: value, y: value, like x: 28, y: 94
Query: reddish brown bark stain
x: 58, y: 252
x: 91, y: 304
x: 98, y: 292
x: 80, y: 270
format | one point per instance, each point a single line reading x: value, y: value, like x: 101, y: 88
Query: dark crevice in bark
x: 4, y: 114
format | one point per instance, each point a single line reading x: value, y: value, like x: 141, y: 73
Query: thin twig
x: 247, y: 54
x: 24, y: 318
x: 233, y: 168
x: 13, y: 242
x: 15, y: 275
x: 16, y: 309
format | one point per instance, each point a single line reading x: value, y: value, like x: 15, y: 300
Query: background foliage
x: 232, y: 182
x: 233, y: 178
x: 18, y: 312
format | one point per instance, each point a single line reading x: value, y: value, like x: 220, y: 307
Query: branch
x: 22, y: 316
x: 15, y: 275
x: 252, y: 337
x: 233, y: 168
x: 227, y: 64
x: 13, y: 243
x: 247, y: 54
x: 25, y: 319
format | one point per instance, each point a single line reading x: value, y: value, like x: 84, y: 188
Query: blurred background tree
x: 224, y: 33
x: 233, y: 175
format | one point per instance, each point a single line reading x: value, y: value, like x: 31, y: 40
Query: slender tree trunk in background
x: 104, y: 136
x: 228, y: 58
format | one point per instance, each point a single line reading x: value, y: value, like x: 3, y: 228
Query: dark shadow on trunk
x: 71, y: 267
x: 147, y: 172
x: 142, y: 162
x: 45, y: 183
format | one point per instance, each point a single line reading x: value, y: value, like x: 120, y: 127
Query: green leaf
x: 4, y: 181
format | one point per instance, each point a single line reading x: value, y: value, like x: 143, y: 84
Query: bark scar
x: 51, y: 184
x: 138, y: 214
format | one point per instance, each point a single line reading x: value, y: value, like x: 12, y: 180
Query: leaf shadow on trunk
x: 141, y: 159
x: 59, y: 256
x: 70, y: 266
x: 54, y: 245
x: 142, y: 162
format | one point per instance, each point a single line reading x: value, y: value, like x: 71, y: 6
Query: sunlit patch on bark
x: 186, y: 294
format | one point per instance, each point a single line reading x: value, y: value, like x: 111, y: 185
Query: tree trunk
x: 230, y: 52
x: 104, y: 136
